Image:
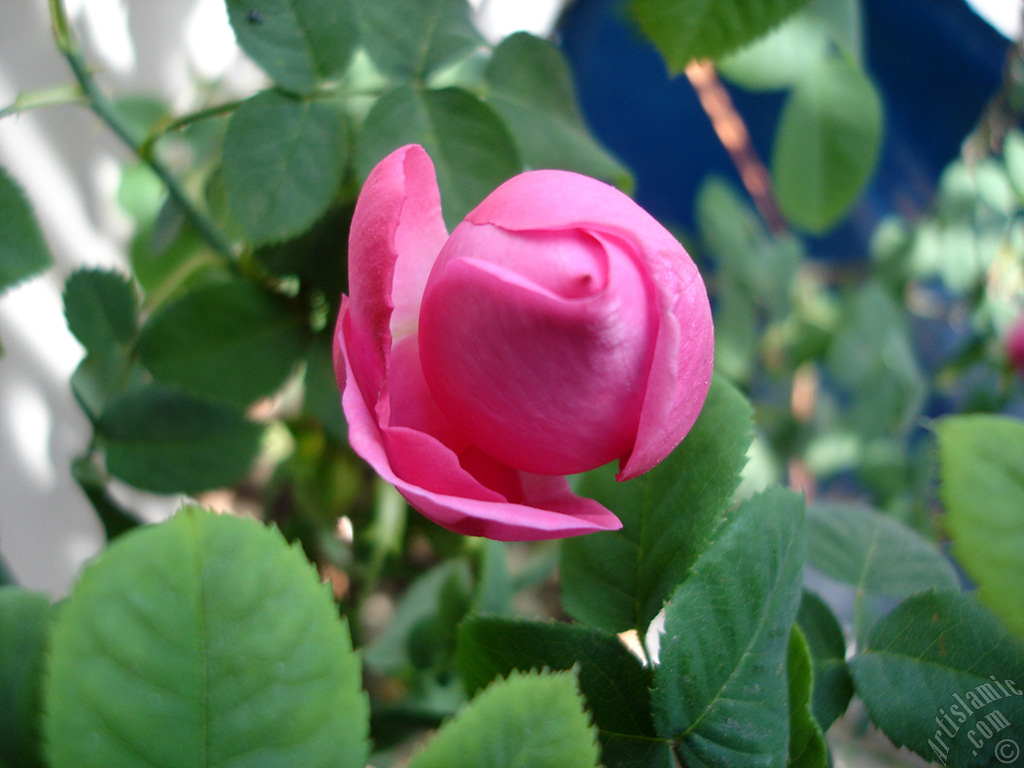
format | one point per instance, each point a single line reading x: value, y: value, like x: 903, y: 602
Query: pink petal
x: 546, y: 376
x: 430, y: 477
x: 684, y: 348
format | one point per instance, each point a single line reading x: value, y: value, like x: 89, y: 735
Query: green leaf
x: 23, y: 250
x: 534, y: 720
x: 874, y: 553
x: 531, y: 88
x: 411, y: 39
x: 620, y: 580
x: 981, y: 460
x: 100, y: 307
x: 779, y: 59
x: 25, y: 619
x: 684, y: 30
x: 872, y: 357
x: 827, y: 143
x: 299, y: 43
x: 613, y: 682
x: 722, y: 674
x: 422, y: 628
x: 934, y: 676
x: 167, y: 442
x: 472, y: 149
x: 226, y: 341
x: 204, y: 641
x: 833, y: 687
x: 807, y: 748
x: 283, y: 163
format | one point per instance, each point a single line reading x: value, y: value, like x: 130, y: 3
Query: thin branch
x: 732, y: 132
x: 146, y: 148
x: 46, y: 97
x: 107, y: 112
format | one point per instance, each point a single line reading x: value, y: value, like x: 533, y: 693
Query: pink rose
x: 558, y: 328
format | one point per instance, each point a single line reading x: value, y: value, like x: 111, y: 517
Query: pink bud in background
x: 559, y: 328
x: 1015, y: 345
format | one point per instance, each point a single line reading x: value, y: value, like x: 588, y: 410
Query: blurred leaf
x: 494, y: 588
x: 807, y: 748
x: 227, y: 341
x: 323, y: 397
x: 722, y: 672
x: 684, y: 30
x: 620, y: 579
x: 843, y: 20
x: 414, y: 38
x: 23, y: 251
x: 1013, y: 157
x: 472, y: 149
x: 100, y: 307
x: 140, y: 114
x: 611, y: 679
x: 114, y: 518
x: 420, y: 620
x: 531, y: 88
x: 873, y: 358
x: 168, y: 442
x: 25, y: 619
x: 781, y: 58
x: 936, y: 657
x: 833, y: 687
x: 299, y: 43
x: 283, y: 163
x: 317, y: 257
x: 826, y: 144
x: 981, y: 460
x: 203, y: 641
x: 874, y: 553
x: 735, y: 332
x: 534, y: 720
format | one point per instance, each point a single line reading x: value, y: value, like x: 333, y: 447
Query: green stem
x: 146, y: 149
x: 107, y: 112
x: 47, y: 97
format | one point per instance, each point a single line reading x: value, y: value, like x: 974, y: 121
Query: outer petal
x: 397, y: 232
x: 454, y: 498
x: 684, y: 348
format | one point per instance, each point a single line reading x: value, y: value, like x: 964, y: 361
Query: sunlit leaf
x: 23, y: 251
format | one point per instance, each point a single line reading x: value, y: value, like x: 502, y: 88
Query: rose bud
x: 558, y: 328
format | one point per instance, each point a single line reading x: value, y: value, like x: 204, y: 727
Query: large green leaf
x: 414, y: 38
x: 874, y: 553
x: 530, y: 86
x: 225, y: 341
x: 684, y: 30
x: 981, y: 461
x: 611, y: 679
x: 807, y: 748
x: 23, y: 251
x: 283, y: 162
x: 940, y: 676
x: 833, y: 687
x: 534, y: 720
x: 204, y: 641
x: 164, y: 441
x: 472, y: 149
x: 826, y: 144
x: 299, y: 43
x: 781, y: 58
x: 25, y: 619
x: 722, y: 675
x: 621, y: 579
